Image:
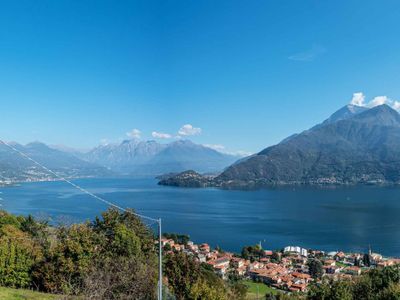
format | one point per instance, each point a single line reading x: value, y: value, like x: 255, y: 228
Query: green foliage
x: 8, y: 219
x: 376, y: 284
x: 315, y: 268
x: 167, y: 247
x: 281, y: 296
x: 188, y: 279
x: 252, y: 252
x: 123, y: 234
x: 115, y: 258
x: 112, y: 258
x: 126, y: 249
x: 276, y: 257
x: 238, y: 290
x: 182, y: 273
x: 24, y: 294
x: 201, y: 289
x: 178, y: 238
x: 367, y: 260
x: 67, y: 261
x: 18, y: 254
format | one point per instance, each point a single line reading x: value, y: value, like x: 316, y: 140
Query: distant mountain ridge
x: 133, y: 157
x: 129, y: 158
x: 354, y: 146
x: 14, y: 167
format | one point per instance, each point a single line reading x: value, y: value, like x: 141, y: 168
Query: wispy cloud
x: 241, y: 153
x: 160, y: 135
x: 308, y: 55
x: 222, y: 149
x: 188, y: 129
x: 134, y: 134
x: 217, y: 147
x: 359, y: 100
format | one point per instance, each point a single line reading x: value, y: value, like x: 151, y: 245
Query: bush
x: 18, y: 254
x: 112, y: 258
x: 376, y: 284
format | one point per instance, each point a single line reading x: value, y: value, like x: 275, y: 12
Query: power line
x: 158, y: 221
x: 73, y: 184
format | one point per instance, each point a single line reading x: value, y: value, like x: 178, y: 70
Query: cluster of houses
x: 287, y: 269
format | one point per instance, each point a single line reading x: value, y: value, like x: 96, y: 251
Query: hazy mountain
x: 126, y: 156
x: 14, y: 167
x: 151, y: 158
x: 354, y: 145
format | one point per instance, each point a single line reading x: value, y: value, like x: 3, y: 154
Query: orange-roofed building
x: 298, y: 287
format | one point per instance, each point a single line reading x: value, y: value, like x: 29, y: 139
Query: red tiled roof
x: 301, y: 275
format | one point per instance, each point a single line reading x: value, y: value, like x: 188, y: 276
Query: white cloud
x: 241, y: 153
x: 222, y: 149
x: 160, y: 135
x: 134, y: 134
x: 396, y: 105
x: 379, y: 101
x: 358, y: 99
x: 188, y: 129
x: 217, y: 147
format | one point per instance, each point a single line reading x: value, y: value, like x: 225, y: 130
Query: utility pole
x: 160, y: 274
x: 85, y: 191
x: 257, y: 293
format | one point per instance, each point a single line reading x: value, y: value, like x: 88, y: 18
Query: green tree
x: 276, y: 257
x: 376, y: 284
x: 182, y: 273
x: 315, y: 268
x: 167, y: 247
x: 191, y: 280
x: 319, y: 291
x: 8, y: 219
x: 18, y: 254
x: 201, y: 290
x: 68, y: 260
x: 177, y: 238
x: 367, y: 260
x: 252, y: 252
x: 124, y: 264
x: 341, y: 290
x: 392, y: 292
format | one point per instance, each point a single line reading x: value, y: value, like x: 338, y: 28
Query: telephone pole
x: 160, y: 274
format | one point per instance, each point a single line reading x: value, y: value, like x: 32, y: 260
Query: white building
x: 296, y: 249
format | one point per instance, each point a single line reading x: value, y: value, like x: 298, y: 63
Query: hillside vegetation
x: 115, y: 257
x: 18, y: 294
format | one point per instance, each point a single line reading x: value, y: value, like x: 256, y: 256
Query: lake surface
x: 328, y: 219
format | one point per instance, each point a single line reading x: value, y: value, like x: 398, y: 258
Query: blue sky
x: 243, y: 74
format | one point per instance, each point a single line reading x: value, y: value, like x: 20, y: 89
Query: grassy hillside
x: 258, y: 290
x: 16, y: 294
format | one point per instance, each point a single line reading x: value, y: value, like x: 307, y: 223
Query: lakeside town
x: 290, y: 269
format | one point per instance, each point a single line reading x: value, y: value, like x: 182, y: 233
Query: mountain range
x: 133, y: 157
x: 129, y: 158
x: 355, y: 145
x: 14, y: 167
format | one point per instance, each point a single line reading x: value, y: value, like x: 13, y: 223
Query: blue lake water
x: 329, y: 219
